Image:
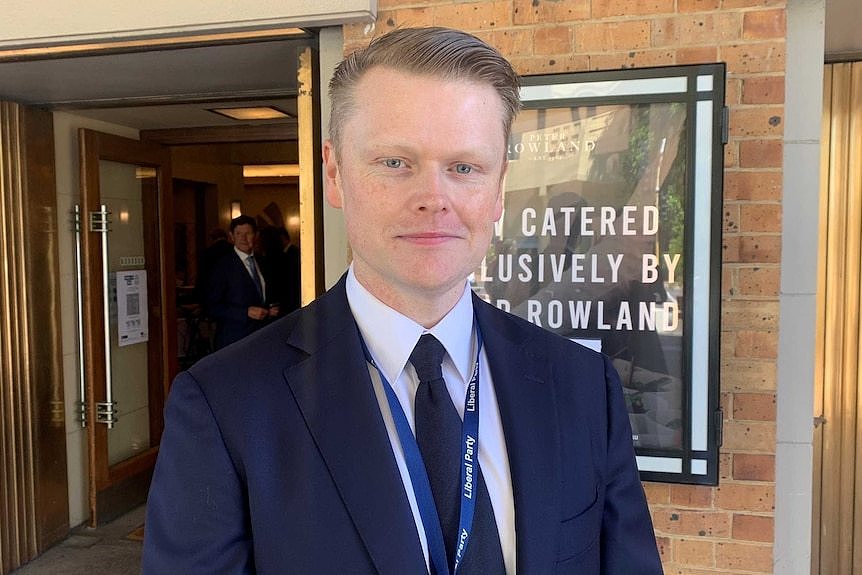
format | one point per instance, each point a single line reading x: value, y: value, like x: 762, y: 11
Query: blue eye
x: 463, y: 168
x: 393, y: 163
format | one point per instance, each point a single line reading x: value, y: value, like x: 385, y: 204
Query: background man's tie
x: 255, y: 278
x: 438, y: 433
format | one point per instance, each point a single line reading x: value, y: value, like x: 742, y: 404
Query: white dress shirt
x: 390, y: 338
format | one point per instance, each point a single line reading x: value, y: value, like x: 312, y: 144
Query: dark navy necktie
x: 438, y: 433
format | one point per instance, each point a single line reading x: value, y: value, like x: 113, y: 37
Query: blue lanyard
x: 419, y: 477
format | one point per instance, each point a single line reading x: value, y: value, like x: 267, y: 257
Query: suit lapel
x: 334, y: 392
x: 530, y: 426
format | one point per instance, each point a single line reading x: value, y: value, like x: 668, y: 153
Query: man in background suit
x: 294, y: 451
x: 234, y: 291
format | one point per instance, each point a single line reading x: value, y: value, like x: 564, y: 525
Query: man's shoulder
x: 284, y: 341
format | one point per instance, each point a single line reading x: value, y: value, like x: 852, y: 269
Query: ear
x: 331, y: 177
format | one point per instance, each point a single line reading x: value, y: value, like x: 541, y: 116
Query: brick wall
x: 728, y: 529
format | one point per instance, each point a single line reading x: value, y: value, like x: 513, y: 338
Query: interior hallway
x: 112, y: 549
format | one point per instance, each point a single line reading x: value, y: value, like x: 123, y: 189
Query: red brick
x: 385, y: 5
x: 552, y: 40
x: 748, y: 436
x: 756, y: 186
x: 758, y: 281
x: 757, y: 121
x: 754, y: 467
x: 732, y: 90
x: 691, y: 496
x: 612, y: 36
x: 754, y: 58
x: 739, y: 315
x: 756, y: 344
x: 754, y: 406
x: 695, y: 552
x: 404, y: 18
x: 764, y: 24
x: 698, y: 5
x: 729, y: 4
x: 636, y: 59
x: 726, y: 402
x: 754, y: 528
x: 725, y: 466
x: 696, y: 30
x: 608, y: 8
x: 730, y: 219
x: 692, y: 523
x: 657, y: 493
x: 763, y: 90
x: 526, y: 12
x: 728, y: 281
x: 550, y: 64
x: 745, y: 497
x: 760, y: 249
x: 747, y: 374
x: 477, y: 15
x: 731, y: 154
x: 664, y: 548
x: 760, y: 218
x: 744, y: 557
x: 730, y: 249
x: 697, y: 55
x: 761, y: 153
x: 512, y: 42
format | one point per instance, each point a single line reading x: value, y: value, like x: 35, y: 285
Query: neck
x: 426, y: 309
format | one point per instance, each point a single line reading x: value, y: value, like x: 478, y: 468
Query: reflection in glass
x: 590, y: 245
x: 124, y: 189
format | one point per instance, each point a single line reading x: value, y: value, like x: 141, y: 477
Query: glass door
x: 126, y: 314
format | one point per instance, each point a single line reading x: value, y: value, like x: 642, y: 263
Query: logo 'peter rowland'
x: 468, y: 466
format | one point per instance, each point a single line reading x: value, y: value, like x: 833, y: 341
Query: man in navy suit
x: 235, y: 288
x: 321, y: 443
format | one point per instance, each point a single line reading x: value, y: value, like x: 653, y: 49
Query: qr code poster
x: 132, y: 319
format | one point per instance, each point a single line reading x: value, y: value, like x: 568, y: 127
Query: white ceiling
x: 173, y: 88
x: 168, y: 88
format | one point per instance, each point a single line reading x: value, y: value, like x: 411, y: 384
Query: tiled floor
x: 113, y: 549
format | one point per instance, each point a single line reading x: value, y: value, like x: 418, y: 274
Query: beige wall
x: 66, y: 149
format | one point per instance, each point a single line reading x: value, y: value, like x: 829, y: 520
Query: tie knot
x: 427, y: 358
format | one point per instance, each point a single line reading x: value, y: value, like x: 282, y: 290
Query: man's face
x: 419, y: 179
x: 243, y: 237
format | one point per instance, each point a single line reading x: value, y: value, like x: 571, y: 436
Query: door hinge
x: 719, y: 427
x: 818, y: 421
x: 100, y: 221
x: 725, y: 125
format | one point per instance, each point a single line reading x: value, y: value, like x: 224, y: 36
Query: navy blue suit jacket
x: 228, y: 293
x: 275, y: 457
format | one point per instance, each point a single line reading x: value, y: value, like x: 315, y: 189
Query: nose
x: 432, y: 192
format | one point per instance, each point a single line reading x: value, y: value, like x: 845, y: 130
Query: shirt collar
x: 391, y: 336
x: 242, y: 255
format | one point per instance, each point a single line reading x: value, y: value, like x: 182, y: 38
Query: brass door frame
x: 113, y: 489
x: 34, y: 504
x: 310, y: 178
x: 837, y: 516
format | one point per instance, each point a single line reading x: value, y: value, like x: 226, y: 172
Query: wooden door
x: 128, y: 314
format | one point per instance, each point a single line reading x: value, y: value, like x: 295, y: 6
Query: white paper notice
x: 132, y: 320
